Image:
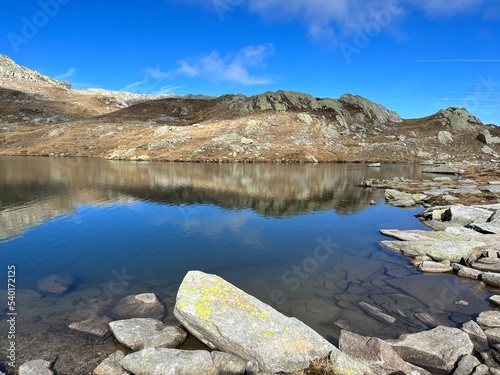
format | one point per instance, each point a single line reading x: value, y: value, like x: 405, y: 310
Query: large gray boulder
x: 143, y: 333
x: 162, y: 361
x: 145, y: 305
x: 232, y: 321
x: 437, y: 350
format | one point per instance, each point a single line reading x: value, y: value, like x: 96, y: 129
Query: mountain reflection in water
x: 302, y: 238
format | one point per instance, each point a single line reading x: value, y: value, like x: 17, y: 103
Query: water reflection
x: 302, y: 238
x: 33, y: 190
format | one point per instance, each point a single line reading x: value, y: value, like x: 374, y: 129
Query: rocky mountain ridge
x: 42, y: 116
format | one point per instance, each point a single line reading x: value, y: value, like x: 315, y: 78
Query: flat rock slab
x: 491, y: 279
x: 436, y: 350
x: 465, y: 215
x: 145, y: 305
x: 435, y: 267
x: 489, y: 319
x: 162, y: 361
x: 56, y: 284
x: 140, y: 333
x: 451, y: 250
x: 36, y: 367
x: 97, y: 327
x: 232, y: 321
x: 442, y: 170
x: 422, y: 235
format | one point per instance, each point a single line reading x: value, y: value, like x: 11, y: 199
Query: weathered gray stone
x: 469, y: 273
x: 481, y: 370
x: 442, y: 169
x: 467, y: 365
x: 140, y: 333
x: 376, y: 353
x: 228, y: 364
x: 491, y: 279
x: 489, y: 319
x: 495, y: 299
x: 429, y: 320
x: 219, y: 313
x: 465, y: 215
x: 435, y: 267
x: 111, y: 365
x: 144, y: 305
x: 56, y: 284
x: 376, y: 313
x: 423, y: 235
x: 451, y: 250
x: 445, y: 137
x: 487, y: 264
x: 436, y: 350
x: 493, y: 334
x: 476, y: 334
x: 345, y: 364
x: 97, y: 326
x: 396, y: 195
x: 36, y: 367
x: 485, y: 137
x: 305, y: 118
x: 162, y: 361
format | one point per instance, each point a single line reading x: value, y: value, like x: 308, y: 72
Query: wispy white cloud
x: 447, y: 7
x: 68, y: 74
x: 235, y: 67
x: 334, y: 18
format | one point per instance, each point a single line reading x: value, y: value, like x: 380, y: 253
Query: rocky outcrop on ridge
x: 282, y: 126
x: 10, y: 71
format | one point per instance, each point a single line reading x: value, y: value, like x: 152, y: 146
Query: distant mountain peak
x: 10, y: 71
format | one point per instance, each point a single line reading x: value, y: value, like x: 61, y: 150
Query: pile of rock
x: 246, y: 336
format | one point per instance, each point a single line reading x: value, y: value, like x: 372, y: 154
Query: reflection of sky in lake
x: 243, y: 223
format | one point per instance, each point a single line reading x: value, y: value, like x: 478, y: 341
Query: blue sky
x: 413, y: 56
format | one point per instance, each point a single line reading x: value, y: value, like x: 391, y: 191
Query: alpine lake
x: 301, y: 237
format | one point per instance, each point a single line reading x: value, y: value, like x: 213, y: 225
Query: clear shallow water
x: 300, y: 237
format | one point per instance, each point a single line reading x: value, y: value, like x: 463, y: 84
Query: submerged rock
x: 56, y: 283
x: 436, y: 350
x: 143, y: 333
x: 161, y: 361
x: 97, y: 327
x: 145, y: 305
x: 232, y: 321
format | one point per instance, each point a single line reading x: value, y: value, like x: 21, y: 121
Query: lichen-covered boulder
x: 232, y: 321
